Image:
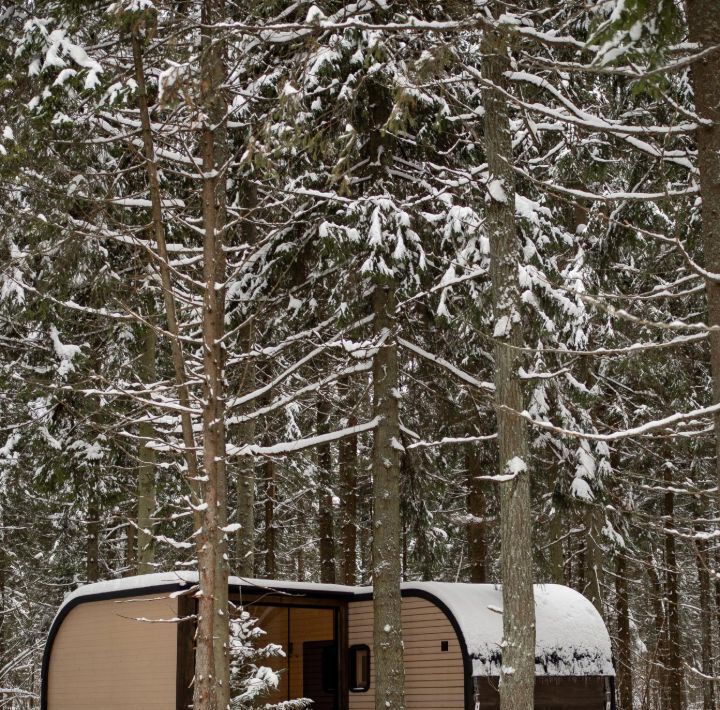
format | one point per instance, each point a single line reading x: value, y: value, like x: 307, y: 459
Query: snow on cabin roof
x: 571, y: 638
x: 182, y: 578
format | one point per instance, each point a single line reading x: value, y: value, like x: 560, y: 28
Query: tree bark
x: 146, y: 468
x: 387, y: 526
x: 93, y: 534
x: 706, y: 615
x: 349, y: 482
x: 593, y: 570
x: 660, y: 654
x: 270, y: 494
x: 325, y: 513
x: 212, y: 557
x: 557, y: 558
x: 245, y: 483
x: 676, y: 691
x: 624, y: 637
x: 477, y: 512
x: 704, y: 29
x: 517, y: 675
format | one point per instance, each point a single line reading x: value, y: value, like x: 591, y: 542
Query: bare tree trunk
x: 517, y: 675
x: 704, y: 29
x: 557, y: 558
x: 208, y: 680
x: 93, y: 534
x: 146, y: 469
x: 674, y: 645
x: 349, y: 482
x: 624, y: 638
x: 270, y: 494
x: 387, y: 526
x: 325, y: 513
x: 476, y: 508
x: 130, y: 552
x: 706, y: 615
x: 212, y: 557
x: 245, y: 484
x: 660, y: 654
x: 365, y: 542
x: 593, y: 572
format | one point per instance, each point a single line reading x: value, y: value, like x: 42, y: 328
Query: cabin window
x: 359, y: 668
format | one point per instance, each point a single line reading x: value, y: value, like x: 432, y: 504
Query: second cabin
x: 119, y: 645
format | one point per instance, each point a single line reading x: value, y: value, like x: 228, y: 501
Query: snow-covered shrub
x: 253, y: 681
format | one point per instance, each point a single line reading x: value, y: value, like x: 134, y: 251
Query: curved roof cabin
x: 123, y: 644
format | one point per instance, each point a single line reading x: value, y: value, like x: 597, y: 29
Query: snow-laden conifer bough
x: 129, y: 643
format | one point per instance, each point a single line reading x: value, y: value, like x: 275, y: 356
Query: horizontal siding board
x: 433, y: 678
x: 102, y: 657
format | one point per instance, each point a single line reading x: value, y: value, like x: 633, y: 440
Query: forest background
x: 293, y: 258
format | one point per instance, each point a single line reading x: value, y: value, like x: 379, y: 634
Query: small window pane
x: 359, y: 669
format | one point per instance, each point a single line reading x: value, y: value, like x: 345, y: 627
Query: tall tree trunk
x: 660, y: 654
x: 270, y: 494
x: 387, y: 526
x: 146, y: 468
x: 516, y: 685
x: 476, y: 508
x: 676, y: 689
x: 706, y: 616
x: 205, y: 683
x: 365, y: 542
x: 557, y: 558
x: 245, y: 484
x: 347, y: 464
x: 624, y: 637
x: 92, y: 554
x: 592, y: 584
x: 212, y: 556
x: 325, y: 513
x: 704, y: 29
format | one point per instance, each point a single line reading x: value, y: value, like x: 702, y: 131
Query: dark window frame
x: 353, y: 685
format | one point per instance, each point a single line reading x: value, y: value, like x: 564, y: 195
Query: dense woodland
x: 365, y: 291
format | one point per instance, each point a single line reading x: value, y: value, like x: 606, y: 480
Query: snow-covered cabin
x: 121, y: 644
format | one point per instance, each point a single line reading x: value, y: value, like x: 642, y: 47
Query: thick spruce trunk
x: 387, y: 527
x: 146, y: 468
x: 704, y: 29
x: 326, y: 527
x: 517, y: 675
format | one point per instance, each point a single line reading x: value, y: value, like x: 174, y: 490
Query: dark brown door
x: 320, y: 674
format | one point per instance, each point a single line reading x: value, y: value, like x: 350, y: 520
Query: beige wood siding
x: 104, y: 659
x: 434, y: 679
